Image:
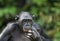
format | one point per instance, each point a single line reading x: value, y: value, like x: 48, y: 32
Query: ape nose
x: 27, y: 25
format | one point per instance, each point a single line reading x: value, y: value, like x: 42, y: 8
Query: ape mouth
x: 26, y: 31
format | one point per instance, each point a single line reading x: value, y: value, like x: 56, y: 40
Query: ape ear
x: 17, y: 17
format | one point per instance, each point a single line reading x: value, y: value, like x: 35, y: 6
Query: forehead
x: 25, y: 15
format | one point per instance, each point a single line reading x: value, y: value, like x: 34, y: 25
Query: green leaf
x: 57, y: 10
x: 57, y: 37
x: 41, y: 21
x: 1, y: 12
x: 39, y: 2
x: 34, y: 11
x: 12, y: 10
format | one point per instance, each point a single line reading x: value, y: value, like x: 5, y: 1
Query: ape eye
x: 27, y: 20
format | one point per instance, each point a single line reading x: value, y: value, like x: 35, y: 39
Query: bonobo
x: 24, y: 29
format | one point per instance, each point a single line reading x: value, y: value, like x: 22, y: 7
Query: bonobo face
x: 25, y: 20
x: 26, y: 24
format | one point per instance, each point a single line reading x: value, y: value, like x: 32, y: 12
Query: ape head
x: 25, y: 20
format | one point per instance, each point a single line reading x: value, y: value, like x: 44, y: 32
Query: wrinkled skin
x: 14, y: 31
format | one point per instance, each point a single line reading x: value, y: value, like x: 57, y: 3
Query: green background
x: 44, y: 12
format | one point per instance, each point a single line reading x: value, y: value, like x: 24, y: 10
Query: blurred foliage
x: 39, y: 2
x: 45, y: 12
x: 57, y: 36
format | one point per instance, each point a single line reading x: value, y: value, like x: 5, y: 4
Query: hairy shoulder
x: 37, y: 26
x: 8, y: 29
x: 11, y: 25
